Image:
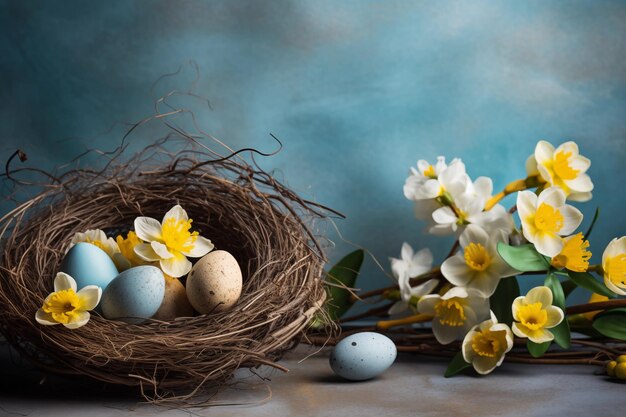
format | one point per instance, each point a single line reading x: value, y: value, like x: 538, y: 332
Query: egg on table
x: 175, y: 303
x: 214, y: 283
x: 89, y: 265
x: 362, y: 356
x: 134, y: 295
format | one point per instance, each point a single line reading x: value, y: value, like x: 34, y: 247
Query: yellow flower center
x: 127, y: 246
x: 99, y: 244
x: 487, y: 343
x: 548, y: 219
x: 561, y: 166
x: 574, y: 255
x: 450, y: 312
x: 63, y: 305
x: 477, y: 257
x: 533, y: 316
x: 176, y: 235
x: 615, y: 269
x: 430, y: 172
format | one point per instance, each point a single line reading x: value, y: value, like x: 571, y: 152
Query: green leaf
x: 588, y: 281
x: 558, y: 295
x: 501, y: 300
x: 524, y: 258
x: 593, y: 223
x: 456, y: 365
x: 568, y: 287
x: 344, y: 273
x: 562, y: 335
x: 612, y: 323
x: 537, y: 349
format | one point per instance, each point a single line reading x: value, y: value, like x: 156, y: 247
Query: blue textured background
x: 358, y: 91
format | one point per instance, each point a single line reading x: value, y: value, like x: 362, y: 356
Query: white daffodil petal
x: 425, y: 288
x: 177, y: 213
x: 531, y: 166
x: 44, y: 318
x: 580, y: 197
x: 546, y: 244
x: 526, y: 204
x: 63, y: 281
x: 484, y: 365
x: 90, y: 296
x: 444, y: 334
x: 82, y: 317
x: 474, y: 234
x: 543, y: 151
x: 201, y: 246
x: 568, y: 147
x: 517, y: 330
x: 161, y: 250
x: 555, y: 316
x: 485, y: 282
x: 145, y: 252
x: 572, y: 217
x: 426, y: 304
x: 148, y: 229
x: 541, y: 294
x: 406, y: 253
x: 444, y: 215
x: 580, y: 163
x: 397, y: 308
x: 466, y: 347
x: 552, y: 196
x: 456, y: 271
x: 176, y: 266
x: 617, y: 290
x: 582, y: 183
x: 542, y: 337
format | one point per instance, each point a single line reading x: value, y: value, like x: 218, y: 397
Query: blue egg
x: 89, y: 265
x: 134, y: 295
x: 363, y: 356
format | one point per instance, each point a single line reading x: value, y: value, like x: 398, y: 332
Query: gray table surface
x: 413, y: 386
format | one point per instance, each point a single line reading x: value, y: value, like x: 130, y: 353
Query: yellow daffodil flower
x: 454, y: 313
x: 98, y: 238
x: 574, y: 255
x: 486, y: 344
x: 477, y: 265
x: 563, y: 167
x: 66, y: 306
x: 170, y: 242
x: 614, y: 265
x: 127, y: 249
x: 534, y: 314
x: 546, y: 218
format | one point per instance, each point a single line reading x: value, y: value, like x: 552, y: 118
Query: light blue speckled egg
x: 89, y: 265
x: 362, y: 356
x: 134, y: 295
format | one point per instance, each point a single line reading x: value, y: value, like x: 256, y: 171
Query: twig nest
x: 214, y: 283
x: 175, y: 303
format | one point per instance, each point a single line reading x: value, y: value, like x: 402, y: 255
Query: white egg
x: 362, y: 356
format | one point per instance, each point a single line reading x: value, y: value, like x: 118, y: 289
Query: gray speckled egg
x: 134, y: 295
x: 214, y: 283
x: 362, y: 356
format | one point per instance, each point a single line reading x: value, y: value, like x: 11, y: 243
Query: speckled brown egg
x: 214, y: 283
x: 175, y: 303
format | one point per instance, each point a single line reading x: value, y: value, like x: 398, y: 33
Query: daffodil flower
x: 477, y: 265
x: 534, y: 314
x: 66, y: 306
x: 127, y: 248
x: 486, y: 344
x: 98, y: 238
x: 563, y: 167
x: 614, y: 265
x: 170, y: 242
x: 454, y: 313
x: 546, y: 218
x: 423, y: 182
x: 574, y: 255
x: 410, y: 265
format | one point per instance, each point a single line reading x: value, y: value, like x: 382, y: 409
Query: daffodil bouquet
x: 473, y: 301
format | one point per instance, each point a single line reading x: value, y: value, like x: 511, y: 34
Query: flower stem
x: 418, y: 318
x: 518, y: 185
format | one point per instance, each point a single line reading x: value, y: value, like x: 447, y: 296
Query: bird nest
x: 240, y: 207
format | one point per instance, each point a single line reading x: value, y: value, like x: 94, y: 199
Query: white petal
x: 201, y: 246
x: 426, y: 305
x: 176, y: 266
x: 444, y: 215
x: 541, y: 294
x: 545, y: 336
x: 459, y: 292
x: 44, y: 318
x: 581, y: 184
x: 64, y: 282
x: 177, y: 213
x: 518, y: 303
x: 580, y: 197
x: 474, y: 234
x: 397, y: 308
x: 406, y: 253
x: 580, y: 163
x: 526, y: 204
x: 425, y: 288
x: 445, y: 334
x: 545, y: 174
x: 443, y: 229
x: 440, y: 165
x: 145, y: 252
x: 484, y: 365
x: 483, y: 187
x: 456, y: 271
x: 466, y: 347
x: 148, y: 229
x: 161, y: 250
x: 82, y: 317
x: 555, y: 316
x: 423, y: 209
x: 90, y: 296
x: 614, y: 248
x: 429, y: 189
x: 552, y: 196
x: 518, y: 331
x: 568, y: 147
x: 617, y: 290
x: 399, y: 268
x: 485, y: 283
x: 547, y: 244
x: 531, y: 166
x: 422, y: 165
x: 572, y: 217
x: 544, y: 151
